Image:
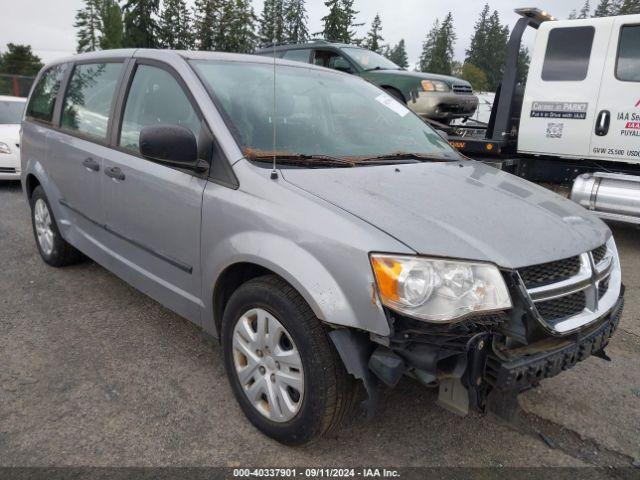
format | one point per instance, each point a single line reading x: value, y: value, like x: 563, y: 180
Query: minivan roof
x: 304, y: 45
x: 185, y: 54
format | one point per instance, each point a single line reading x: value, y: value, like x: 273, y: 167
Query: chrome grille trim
x: 600, y: 283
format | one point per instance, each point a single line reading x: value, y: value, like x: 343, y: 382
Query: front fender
x: 300, y: 268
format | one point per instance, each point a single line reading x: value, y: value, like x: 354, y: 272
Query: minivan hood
x: 464, y: 210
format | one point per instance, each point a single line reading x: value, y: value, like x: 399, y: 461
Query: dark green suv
x: 437, y: 97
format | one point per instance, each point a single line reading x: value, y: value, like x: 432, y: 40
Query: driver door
x: 153, y: 211
x: 332, y: 59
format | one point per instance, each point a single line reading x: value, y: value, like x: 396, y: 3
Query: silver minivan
x: 331, y: 240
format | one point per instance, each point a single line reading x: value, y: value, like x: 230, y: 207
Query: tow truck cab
x: 577, y: 120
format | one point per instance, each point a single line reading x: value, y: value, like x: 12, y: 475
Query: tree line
x: 606, y: 8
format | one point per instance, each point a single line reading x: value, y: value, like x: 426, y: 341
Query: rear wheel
x: 283, y: 369
x: 53, y: 249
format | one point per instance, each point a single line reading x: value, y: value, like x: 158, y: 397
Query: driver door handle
x: 115, y: 173
x: 91, y: 164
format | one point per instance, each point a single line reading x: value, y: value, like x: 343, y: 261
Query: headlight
x: 4, y: 148
x: 434, y: 86
x: 438, y: 290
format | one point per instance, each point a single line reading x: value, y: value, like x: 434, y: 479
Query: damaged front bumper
x: 470, y: 364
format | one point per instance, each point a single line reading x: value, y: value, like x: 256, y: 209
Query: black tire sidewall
x: 307, y: 424
x: 54, y: 258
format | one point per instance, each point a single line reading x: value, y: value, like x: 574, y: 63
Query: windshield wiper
x: 300, y: 158
x: 423, y: 157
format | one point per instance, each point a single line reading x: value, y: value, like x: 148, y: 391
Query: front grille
x: 462, y: 89
x: 599, y: 253
x: 546, y: 273
x: 7, y: 170
x: 563, y: 307
x: 603, y: 286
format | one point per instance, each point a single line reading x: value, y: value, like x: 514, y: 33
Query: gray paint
x: 171, y: 234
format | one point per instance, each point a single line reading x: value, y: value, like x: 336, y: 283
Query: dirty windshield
x: 369, y: 60
x: 318, y: 114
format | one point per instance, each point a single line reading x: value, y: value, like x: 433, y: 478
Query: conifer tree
x: 89, y: 26
x: 630, y: 7
x: 272, y: 22
x: 140, y: 26
x: 206, y: 19
x: 340, y: 21
x: 112, y: 27
x: 374, y: 38
x: 236, y: 31
x: 585, y: 11
x: 428, y: 47
x: 437, y: 55
x: 602, y: 10
x: 174, y: 25
x: 477, y: 52
x: 295, y: 21
x: 398, y: 54
x: 488, y: 47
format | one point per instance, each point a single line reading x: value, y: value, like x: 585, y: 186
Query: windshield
x: 11, y: 112
x: 318, y: 113
x: 370, y: 60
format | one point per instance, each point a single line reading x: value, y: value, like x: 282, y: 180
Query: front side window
x: 317, y: 113
x: 568, y: 53
x: 11, y: 112
x: 43, y: 99
x: 333, y: 60
x: 155, y: 98
x: 89, y: 97
x: 298, y: 55
x: 628, y: 67
x: 368, y: 60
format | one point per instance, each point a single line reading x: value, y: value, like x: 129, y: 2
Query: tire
x: 54, y: 249
x: 328, y: 391
x: 396, y: 94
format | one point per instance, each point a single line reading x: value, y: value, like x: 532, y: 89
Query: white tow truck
x: 576, y: 122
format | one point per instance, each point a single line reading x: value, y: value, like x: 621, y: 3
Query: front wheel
x: 283, y: 369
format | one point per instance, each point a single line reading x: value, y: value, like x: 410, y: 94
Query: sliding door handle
x: 115, y: 173
x: 91, y: 164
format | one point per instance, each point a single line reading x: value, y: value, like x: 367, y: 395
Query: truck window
x: 44, y: 95
x: 89, y: 97
x: 628, y: 67
x: 298, y: 55
x: 568, y: 54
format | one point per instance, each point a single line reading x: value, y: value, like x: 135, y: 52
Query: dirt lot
x: 92, y: 372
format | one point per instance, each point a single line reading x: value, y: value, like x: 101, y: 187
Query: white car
x: 11, y: 110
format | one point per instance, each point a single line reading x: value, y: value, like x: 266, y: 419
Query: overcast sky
x: 47, y: 25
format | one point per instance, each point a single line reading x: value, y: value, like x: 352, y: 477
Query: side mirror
x: 171, y: 144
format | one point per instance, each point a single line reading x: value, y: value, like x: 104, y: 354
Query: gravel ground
x: 92, y: 372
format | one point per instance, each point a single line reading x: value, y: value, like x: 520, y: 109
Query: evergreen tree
x: 428, y: 47
x: 272, y: 22
x: 174, y: 26
x: 585, y: 11
x: 295, y: 21
x: 524, y: 60
x: 602, y: 10
x: 488, y: 49
x: 20, y: 60
x: 438, y: 48
x: 112, y: 27
x: 340, y: 21
x: 572, y: 15
x: 477, y: 52
x: 615, y: 6
x: 630, y: 7
x: 374, y: 38
x: 140, y: 26
x: 398, y: 54
x: 206, y: 19
x: 236, y: 32
x: 89, y: 26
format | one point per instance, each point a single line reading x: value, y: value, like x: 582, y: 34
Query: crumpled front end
x: 563, y: 312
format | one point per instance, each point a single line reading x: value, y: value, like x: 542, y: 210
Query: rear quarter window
x: 568, y: 53
x: 43, y: 98
x: 298, y: 55
x: 628, y: 65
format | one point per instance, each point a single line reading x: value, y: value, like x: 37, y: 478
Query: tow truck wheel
x: 282, y: 367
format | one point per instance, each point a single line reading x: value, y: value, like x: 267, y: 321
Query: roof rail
x: 280, y: 44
